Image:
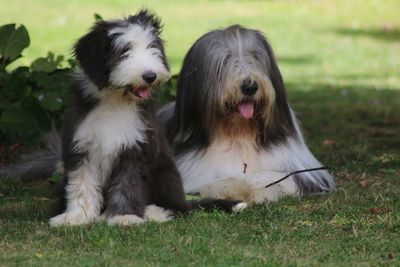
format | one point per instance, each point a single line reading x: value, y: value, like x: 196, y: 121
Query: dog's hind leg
x: 126, y: 194
x: 168, y: 192
x: 165, y: 186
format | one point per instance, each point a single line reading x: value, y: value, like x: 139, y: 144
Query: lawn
x: 341, y: 64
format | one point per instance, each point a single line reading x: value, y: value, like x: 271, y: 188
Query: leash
x: 296, y: 172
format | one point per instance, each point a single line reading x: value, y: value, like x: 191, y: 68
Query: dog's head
x: 230, y: 77
x: 123, y: 54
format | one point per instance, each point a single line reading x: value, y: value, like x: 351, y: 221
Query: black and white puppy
x: 231, y: 127
x: 117, y: 163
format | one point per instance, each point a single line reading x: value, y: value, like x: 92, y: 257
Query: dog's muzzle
x: 149, y: 77
x: 249, y: 87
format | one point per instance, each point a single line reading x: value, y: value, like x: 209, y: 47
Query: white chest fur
x: 108, y: 128
x: 243, y: 160
x: 221, y: 160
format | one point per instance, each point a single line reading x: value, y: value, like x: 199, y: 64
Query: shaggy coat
x: 231, y: 127
x: 117, y: 163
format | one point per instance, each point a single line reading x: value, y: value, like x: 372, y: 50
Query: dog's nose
x: 149, y: 77
x: 249, y: 87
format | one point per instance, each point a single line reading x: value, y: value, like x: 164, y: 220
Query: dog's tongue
x: 246, y: 109
x: 144, y: 92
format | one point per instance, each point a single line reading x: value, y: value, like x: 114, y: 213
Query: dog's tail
x: 40, y: 164
x: 209, y: 204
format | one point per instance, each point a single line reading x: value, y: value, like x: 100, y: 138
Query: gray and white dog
x: 117, y: 164
x: 231, y: 127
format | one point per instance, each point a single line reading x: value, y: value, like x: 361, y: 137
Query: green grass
x: 341, y: 63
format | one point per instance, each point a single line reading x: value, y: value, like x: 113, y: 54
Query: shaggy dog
x: 117, y: 162
x: 231, y: 128
x: 232, y: 131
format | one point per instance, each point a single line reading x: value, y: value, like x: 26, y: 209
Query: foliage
x: 340, y: 61
x: 31, y: 98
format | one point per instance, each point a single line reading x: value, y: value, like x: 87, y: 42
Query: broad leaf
x: 33, y: 105
x: 51, y: 102
x: 18, y: 121
x: 13, y: 40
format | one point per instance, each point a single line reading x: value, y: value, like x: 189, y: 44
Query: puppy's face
x: 125, y: 56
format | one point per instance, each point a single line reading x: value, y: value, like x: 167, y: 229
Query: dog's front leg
x: 251, y: 188
x: 83, y: 195
x: 261, y: 179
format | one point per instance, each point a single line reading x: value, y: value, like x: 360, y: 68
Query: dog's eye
x: 124, y: 56
x: 124, y: 52
x: 256, y: 55
x: 153, y: 45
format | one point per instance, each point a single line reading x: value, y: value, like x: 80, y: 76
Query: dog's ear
x: 281, y: 124
x: 92, y: 51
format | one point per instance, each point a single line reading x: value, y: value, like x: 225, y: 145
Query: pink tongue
x: 246, y: 109
x: 144, y: 92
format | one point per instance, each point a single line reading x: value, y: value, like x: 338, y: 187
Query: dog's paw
x: 124, y: 220
x: 69, y: 219
x: 100, y: 219
x: 157, y: 214
x: 240, y: 207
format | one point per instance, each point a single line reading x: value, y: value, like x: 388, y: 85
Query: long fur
x: 38, y: 165
x: 116, y: 161
x: 229, y: 142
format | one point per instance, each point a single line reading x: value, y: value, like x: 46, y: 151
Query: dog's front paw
x: 69, y: 219
x: 127, y: 219
x: 240, y: 207
x: 157, y: 214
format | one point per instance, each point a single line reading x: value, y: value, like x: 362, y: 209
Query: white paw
x: 240, y: 207
x: 127, y: 219
x: 70, y: 219
x: 157, y: 214
x: 101, y: 218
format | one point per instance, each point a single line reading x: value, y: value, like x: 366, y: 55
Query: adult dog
x: 116, y: 161
x: 231, y: 127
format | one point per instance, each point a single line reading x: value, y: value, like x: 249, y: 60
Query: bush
x: 31, y: 98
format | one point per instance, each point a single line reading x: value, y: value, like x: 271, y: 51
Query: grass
x: 340, y: 62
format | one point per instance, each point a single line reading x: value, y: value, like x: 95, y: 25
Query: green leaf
x: 32, y: 104
x: 15, y: 85
x: 43, y: 64
x: 47, y: 64
x: 52, y: 102
x: 16, y: 120
x: 97, y: 17
x: 13, y: 40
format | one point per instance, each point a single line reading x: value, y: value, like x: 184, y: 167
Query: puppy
x: 115, y: 158
x: 231, y: 128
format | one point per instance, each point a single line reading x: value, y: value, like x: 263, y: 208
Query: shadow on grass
x: 383, y: 33
x: 26, y: 201
x: 361, y: 121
